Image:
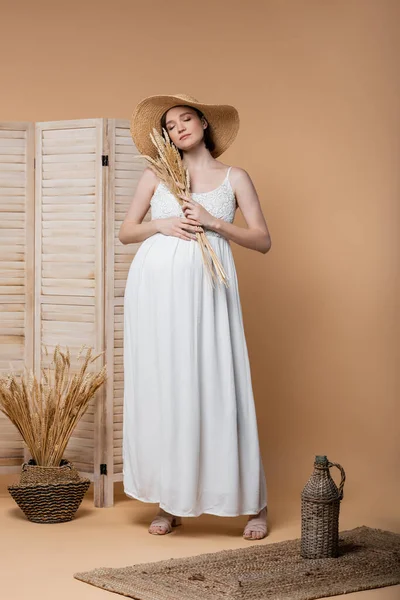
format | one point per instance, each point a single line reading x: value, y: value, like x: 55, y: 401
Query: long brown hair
x: 208, y: 138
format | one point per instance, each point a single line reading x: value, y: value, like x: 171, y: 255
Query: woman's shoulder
x: 237, y: 170
x: 239, y: 180
x: 233, y: 169
x: 151, y: 179
x: 237, y: 174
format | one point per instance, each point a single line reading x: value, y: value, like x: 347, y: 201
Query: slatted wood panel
x: 124, y: 173
x: 16, y: 269
x: 69, y: 298
x: 80, y: 270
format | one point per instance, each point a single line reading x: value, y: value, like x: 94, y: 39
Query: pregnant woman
x: 190, y: 440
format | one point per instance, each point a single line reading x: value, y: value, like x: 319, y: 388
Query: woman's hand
x: 194, y: 210
x: 181, y: 227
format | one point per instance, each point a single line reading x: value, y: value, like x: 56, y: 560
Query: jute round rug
x: 369, y: 558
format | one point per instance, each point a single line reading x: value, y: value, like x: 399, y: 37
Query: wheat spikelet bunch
x: 168, y: 166
x: 46, y: 412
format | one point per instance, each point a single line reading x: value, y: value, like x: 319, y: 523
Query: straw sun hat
x: 222, y: 119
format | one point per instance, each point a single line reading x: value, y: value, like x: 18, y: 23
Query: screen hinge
x: 104, y: 160
x: 103, y: 469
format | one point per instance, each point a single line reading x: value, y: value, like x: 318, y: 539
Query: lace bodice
x: 221, y: 203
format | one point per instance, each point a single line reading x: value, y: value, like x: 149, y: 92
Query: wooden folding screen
x: 16, y: 269
x: 85, y: 177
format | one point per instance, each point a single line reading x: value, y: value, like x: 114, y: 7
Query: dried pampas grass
x: 46, y: 412
x: 168, y: 166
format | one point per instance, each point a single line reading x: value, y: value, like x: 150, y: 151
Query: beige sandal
x: 256, y: 525
x: 164, y: 523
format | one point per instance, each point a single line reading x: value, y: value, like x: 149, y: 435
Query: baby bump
x: 164, y: 260
x: 162, y: 255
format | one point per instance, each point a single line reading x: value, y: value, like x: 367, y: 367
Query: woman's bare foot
x: 163, y: 523
x: 256, y: 527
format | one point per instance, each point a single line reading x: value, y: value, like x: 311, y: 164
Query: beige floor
x: 37, y: 561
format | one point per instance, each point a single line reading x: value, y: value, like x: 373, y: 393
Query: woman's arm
x: 256, y: 236
x: 132, y: 229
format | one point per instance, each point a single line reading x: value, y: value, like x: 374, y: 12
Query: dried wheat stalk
x: 46, y: 412
x: 168, y: 166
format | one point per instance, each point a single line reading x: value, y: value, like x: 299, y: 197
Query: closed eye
x: 173, y: 125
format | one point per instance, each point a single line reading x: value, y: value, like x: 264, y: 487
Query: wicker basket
x: 49, y: 494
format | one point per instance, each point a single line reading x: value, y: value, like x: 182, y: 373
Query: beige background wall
x: 317, y: 86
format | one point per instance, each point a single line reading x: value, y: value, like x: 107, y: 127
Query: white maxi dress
x: 190, y: 439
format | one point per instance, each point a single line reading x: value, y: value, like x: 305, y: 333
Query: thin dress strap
x: 227, y: 175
